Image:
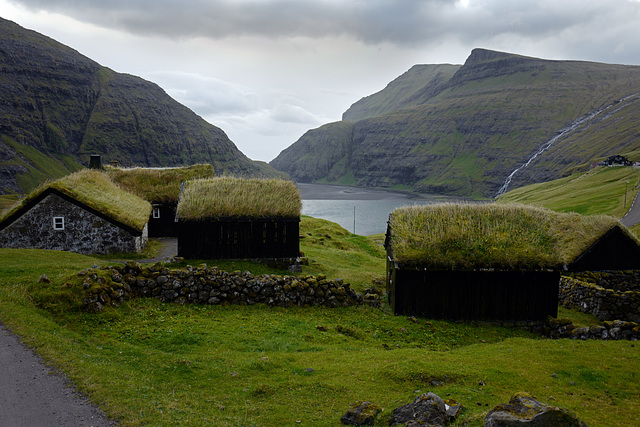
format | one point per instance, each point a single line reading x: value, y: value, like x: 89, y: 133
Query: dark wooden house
x: 161, y: 188
x: 84, y: 212
x: 616, y: 249
x: 234, y: 218
x: 494, y: 262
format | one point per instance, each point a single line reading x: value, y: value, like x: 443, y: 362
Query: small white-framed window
x: 58, y: 223
x: 156, y: 213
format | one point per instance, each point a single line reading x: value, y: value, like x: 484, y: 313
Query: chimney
x: 95, y: 162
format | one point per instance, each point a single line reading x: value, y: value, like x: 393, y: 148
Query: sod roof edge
x: 449, y: 236
x: 238, y: 198
x: 158, y: 185
x: 94, y: 191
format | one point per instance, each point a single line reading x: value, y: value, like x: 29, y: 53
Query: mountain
x: 463, y: 129
x: 58, y: 107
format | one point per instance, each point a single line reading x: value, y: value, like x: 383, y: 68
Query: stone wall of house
x: 204, y: 285
x: 606, y: 304
x: 83, y: 231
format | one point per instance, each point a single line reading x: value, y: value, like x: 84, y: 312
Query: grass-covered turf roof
x: 500, y: 236
x: 96, y: 190
x: 158, y: 185
x: 227, y: 197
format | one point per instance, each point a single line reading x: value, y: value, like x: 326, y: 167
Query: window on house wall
x: 156, y: 213
x: 58, y: 223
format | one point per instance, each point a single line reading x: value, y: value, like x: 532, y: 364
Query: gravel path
x: 35, y: 395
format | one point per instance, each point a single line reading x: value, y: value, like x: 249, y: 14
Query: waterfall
x: 566, y: 131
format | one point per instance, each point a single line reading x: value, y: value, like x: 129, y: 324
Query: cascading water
x: 562, y: 133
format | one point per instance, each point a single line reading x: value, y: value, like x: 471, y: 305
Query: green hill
x: 58, y: 107
x: 600, y: 190
x: 462, y: 130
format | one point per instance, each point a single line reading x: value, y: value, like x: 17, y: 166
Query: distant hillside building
x: 235, y: 218
x: 84, y: 212
x: 616, y: 160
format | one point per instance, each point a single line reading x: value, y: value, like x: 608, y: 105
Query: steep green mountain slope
x: 412, y: 88
x: 464, y: 131
x: 58, y: 107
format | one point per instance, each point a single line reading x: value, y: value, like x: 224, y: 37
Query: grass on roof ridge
x: 229, y: 197
x: 467, y: 236
x: 96, y: 190
x: 158, y: 185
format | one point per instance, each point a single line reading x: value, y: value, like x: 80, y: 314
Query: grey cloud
x: 416, y: 23
x: 205, y: 95
x: 371, y: 21
x: 289, y: 113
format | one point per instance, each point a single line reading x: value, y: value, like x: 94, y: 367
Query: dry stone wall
x: 616, y: 280
x: 606, y: 304
x: 110, y: 286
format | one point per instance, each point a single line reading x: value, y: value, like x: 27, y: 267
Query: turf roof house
x: 161, y: 188
x: 235, y: 218
x: 495, y: 262
x: 84, y: 212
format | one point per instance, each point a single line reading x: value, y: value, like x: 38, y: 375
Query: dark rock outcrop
x: 361, y: 414
x: 525, y: 410
x: 428, y: 409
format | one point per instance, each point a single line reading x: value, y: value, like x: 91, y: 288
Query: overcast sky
x: 266, y: 71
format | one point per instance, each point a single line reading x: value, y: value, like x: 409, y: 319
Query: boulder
x: 428, y: 409
x: 525, y: 410
x: 361, y: 414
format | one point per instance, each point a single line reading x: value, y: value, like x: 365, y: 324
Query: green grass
x: 336, y: 253
x: 598, y: 191
x: 149, y: 363
x: 151, y: 250
x: 578, y: 318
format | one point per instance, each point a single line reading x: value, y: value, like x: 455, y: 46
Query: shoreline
x: 309, y: 191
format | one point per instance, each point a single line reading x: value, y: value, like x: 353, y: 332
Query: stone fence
x: 610, y: 330
x: 606, y: 304
x: 110, y: 286
x: 616, y: 280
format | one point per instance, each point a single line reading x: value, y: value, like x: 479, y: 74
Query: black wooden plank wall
x: 166, y: 225
x: 269, y: 238
x: 475, y: 295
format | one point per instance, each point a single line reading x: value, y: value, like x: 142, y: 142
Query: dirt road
x: 35, y: 395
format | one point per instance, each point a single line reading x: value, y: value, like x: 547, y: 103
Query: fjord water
x: 366, y: 208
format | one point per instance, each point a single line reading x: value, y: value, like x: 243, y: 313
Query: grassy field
x: 600, y: 190
x: 148, y: 363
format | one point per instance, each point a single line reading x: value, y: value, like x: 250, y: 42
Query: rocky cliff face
x: 461, y: 130
x: 58, y: 107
